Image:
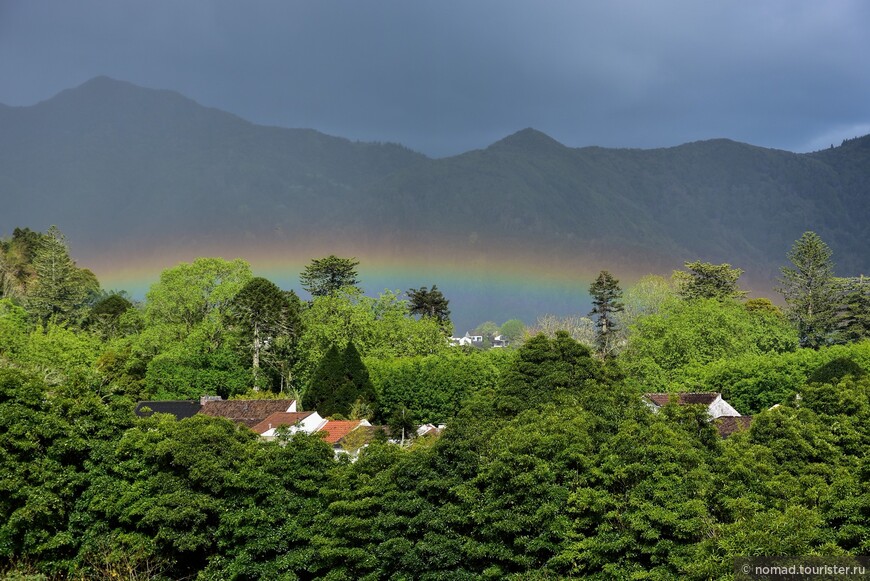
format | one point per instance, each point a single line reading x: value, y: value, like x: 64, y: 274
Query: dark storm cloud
x: 443, y: 77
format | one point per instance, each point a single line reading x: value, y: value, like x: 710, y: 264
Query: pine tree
x: 339, y: 382
x: 61, y: 288
x: 267, y: 320
x: 429, y: 303
x: 359, y: 386
x: 326, y: 382
x: 605, y: 294
x: 325, y: 276
x: 853, y: 323
x: 708, y: 281
x: 810, y: 290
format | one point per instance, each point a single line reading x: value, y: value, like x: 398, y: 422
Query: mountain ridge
x: 117, y: 165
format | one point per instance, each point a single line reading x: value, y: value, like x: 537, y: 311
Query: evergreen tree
x: 340, y: 381
x: 61, y: 288
x: 357, y: 373
x: 16, y: 263
x: 708, y: 281
x: 325, y: 276
x: 853, y: 322
x: 327, y: 379
x: 810, y: 291
x: 429, y: 303
x: 266, y: 318
x: 605, y: 294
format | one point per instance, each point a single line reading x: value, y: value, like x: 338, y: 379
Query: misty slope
x: 715, y: 200
x: 110, y: 162
x: 111, y: 159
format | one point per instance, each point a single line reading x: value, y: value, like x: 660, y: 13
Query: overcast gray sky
x: 446, y: 76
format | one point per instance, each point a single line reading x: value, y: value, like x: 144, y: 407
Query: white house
x: 467, y: 340
x: 716, y: 406
x: 307, y: 422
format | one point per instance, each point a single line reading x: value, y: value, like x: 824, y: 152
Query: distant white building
x: 716, y: 406
x: 467, y: 341
x: 430, y: 430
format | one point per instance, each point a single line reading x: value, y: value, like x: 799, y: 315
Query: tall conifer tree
x: 853, y: 321
x: 340, y: 380
x: 810, y: 291
x: 61, y: 288
x: 606, y: 296
x: 267, y: 319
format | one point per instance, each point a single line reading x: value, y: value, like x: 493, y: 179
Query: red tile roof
x: 728, y: 425
x: 335, y: 430
x: 279, y: 419
x: 249, y: 412
x: 661, y: 399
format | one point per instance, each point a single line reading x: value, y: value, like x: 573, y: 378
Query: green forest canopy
x: 551, y: 465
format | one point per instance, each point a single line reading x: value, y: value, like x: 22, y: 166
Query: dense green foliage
x: 17, y: 271
x: 433, y: 387
x: 550, y: 466
x: 687, y: 334
x: 513, y: 331
x: 379, y: 327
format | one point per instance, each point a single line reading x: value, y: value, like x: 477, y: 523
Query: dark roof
x: 179, y: 408
x: 279, y: 419
x: 661, y: 399
x: 727, y: 425
x: 249, y: 412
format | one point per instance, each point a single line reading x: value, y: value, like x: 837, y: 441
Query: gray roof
x: 179, y: 408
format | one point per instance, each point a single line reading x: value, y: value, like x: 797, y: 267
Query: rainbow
x: 482, y: 283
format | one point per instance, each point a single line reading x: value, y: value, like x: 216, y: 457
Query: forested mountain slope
x: 113, y: 163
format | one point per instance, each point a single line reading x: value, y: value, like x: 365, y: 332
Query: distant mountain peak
x: 103, y: 92
x: 527, y: 139
x: 104, y: 86
x: 102, y: 80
